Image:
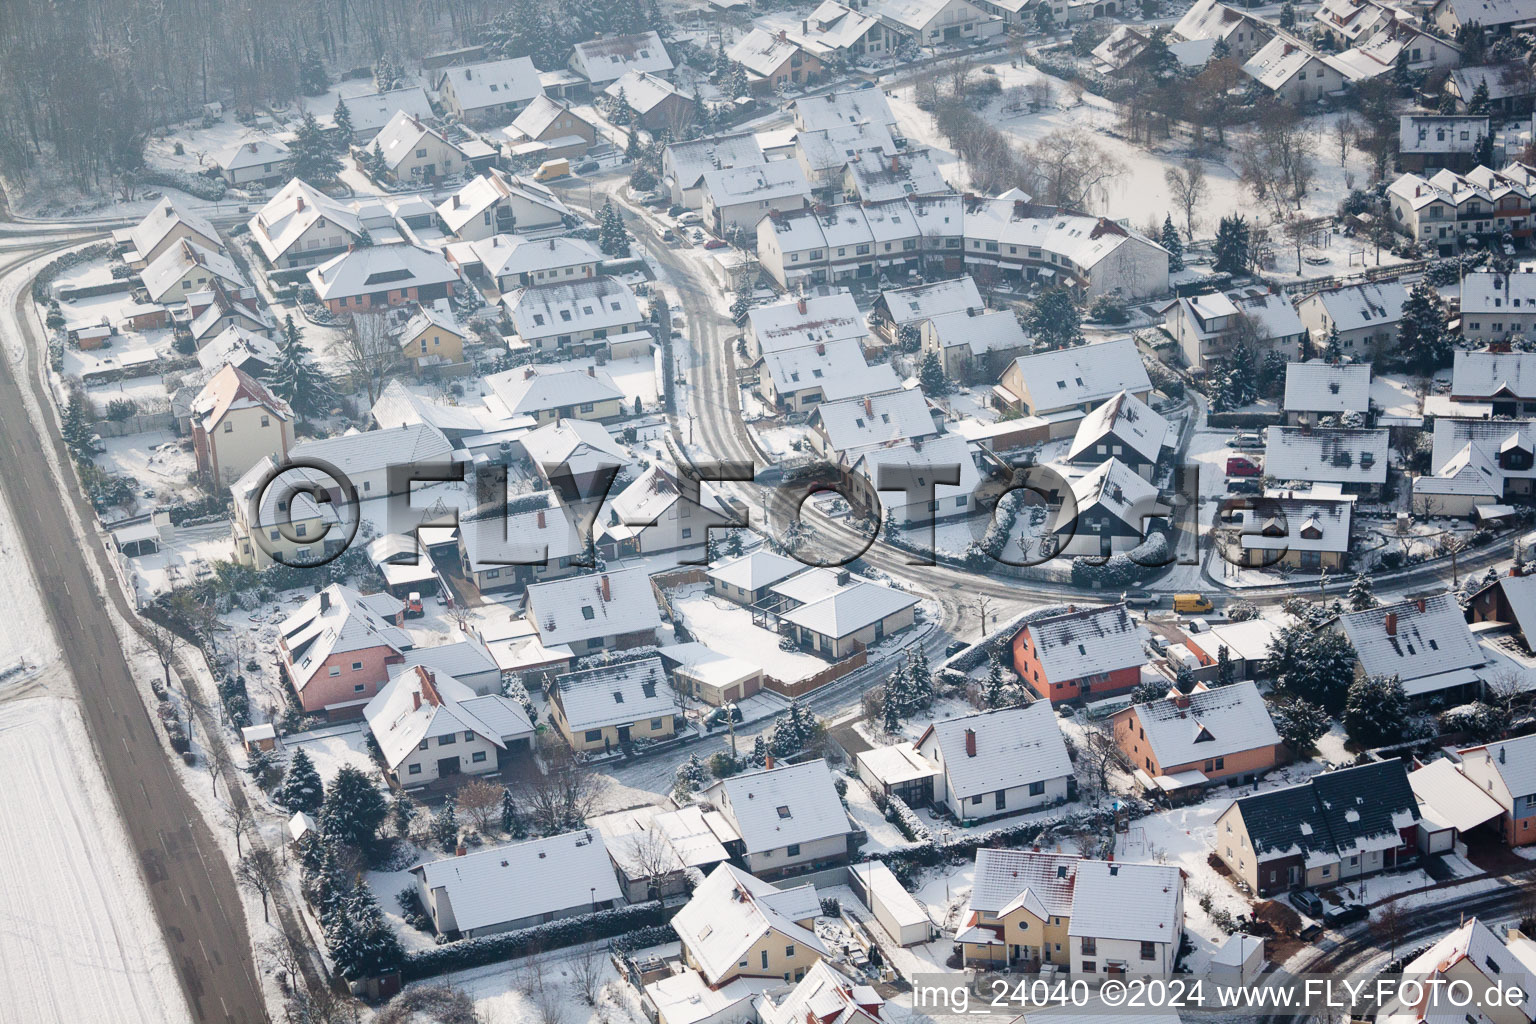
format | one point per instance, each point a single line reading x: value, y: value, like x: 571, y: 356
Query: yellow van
x: 1191, y: 604
x: 549, y: 170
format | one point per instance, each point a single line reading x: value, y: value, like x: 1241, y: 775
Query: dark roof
x: 1331, y: 812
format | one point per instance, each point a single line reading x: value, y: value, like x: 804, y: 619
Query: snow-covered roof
x: 373, y: 450
x: 1279, y: 60
x: 594, y: 605
x: 761, y: 568
x: 996, y: 330
x: 855, y: 424
x: 706, y: 665
x: 1210, y: 19
x: 1248, y: 640
x: 1330, y: 388
x: 756, y: 183
x: 372, y: 111
x: 841, y: 106
x: 1490, y: 13
x: 1375, y: 304
x: 940, y: 452
x: 1002, y: 876
x: 615, y: 694
x: 686, y: 998
x: 1083, y: 375
x: 252, y: 151
x: 876, y: 177
x: 567, y: 440
x: 339, y: 620
x: 837, y: 368
x: 1474, y: 944
x: 825, y: 995
x: 1504, y: 81
x: 922, y: 301
x: 1448, y: 798
x: 570, y: 307
x: 1138, y: 902
x: 1330, y: 455
x: 499, y: 884
x: 402, y: 135
x: 462, y: 659
x: 492, y: 83
x: 1441, y: 133
x: 849, y: 609
x: 762, y: 52
x: 380, y: 268
x: 1116, y: 488
x: 1300, y: 524
x: 526, y: 391
x: 1128, y: 419
x: 1207, y: 723
x: 183, y: 259
x: 1012, y: 747
x: 169, y: 212
x: 1088, y: 641
x: 1490, y: 374
x: 1515, y: 762
x: 781, y: 806
x: 487, y: 190
x: 232, y: 388
x: 1489, y: 292
x: 1421, y: 641
x: 509, y: 255
x: 398, y: 406
x: 417, y: 705
x: 731, y: 911
x: 643, y: 91
x: 279, y: 224
x: 603, y: 60
x: 237, y: 345
x: 532, y: 536
x: 690, y: 160
x: 1084, y: 240
x: 539, y: 115
x: 808, y: 321
x: 830, y: 149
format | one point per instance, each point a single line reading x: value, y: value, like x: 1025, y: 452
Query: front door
x: 447, y: 766
x: 623, y: 734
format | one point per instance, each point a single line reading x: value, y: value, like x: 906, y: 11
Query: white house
x: 573, y: 316
x: 684, y: 164
x: 1365, y: 315
x: 419, y: 713
x: 489, y: 91
x: 849, y: 32
x: 1123, y: 428
x: 413, y: 151
x: 1065, y: 385
x: 1025, y: 243
x: 1294, y: 73
x: 1207, y: 327
x: 849, y: 427
x: 1424, y: 642
x: 603, y: 60
x: 302, y: 226
x: 515, y: 261
x: 1354, y: 459
x: 783, y: 821
x: 999, y: 762
x: 596, y: 611
x: 935, y: 23
x: 652, y: 514
x: 1496, y: 306
x: 186, y: 268
x: 255, y: 160
x: 737, y: 926
x: 168, y: 223
x: 879, y: 479
x: 737, y: 198
x: 1127, y: 919
x: 367, y: 458
x: 1316, y: 389
x: 495, y: 203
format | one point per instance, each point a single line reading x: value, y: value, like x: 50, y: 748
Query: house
x: 186, y: 268
x: 999, y: 762
x: 1124, y: 429
x: 1354, y: 459
x: 1506, y: 771
x: 495, y: 203
x: 654, y: 861
x: 1120, y: 49
x: 899, y: 308
x: 340, y: 647
x: 489, y: 91
x: 573, y: 316
x: 1020, y: 908
x: 736, y: 198
x: 1013, y: 240
x: 1293, y: 72
x: 505, y: 888
x: 1451, y: 806
x: 255, y: 160
x: 853, y: 616
x: 1337, y: 826
x: 419, y: 712
x: 242, y: 348
x: 783, y: 821
x: 843, y: 106
x: 810, y: 320
x: 431, y: 337
x: 1365, y: 315
x: 846, y: 242
x: 1398, y: 43
x: 515, y: 261
x: 1471, y: 959
x: 1247, y: 644
x: 684, y: 164
x: 977, y: 343
x: 657, y: 513
x: 379, y: 463
x: 774, y: 61
x: 557, y: 395
x: 1430, y: 142
x: 371, y: 112
x: 707, y: 675
x: 748, y: 579
x: 1243, y: 33
x: 559, y: 131
x: 509, y: 549
x: 1506, y: 380
x: 611, y: 610
x: 1509, y: 87
x: 397, y: 406
x: 1317, y: 389
x: 574, y: 455
x: 1066, y: 384
x: 612, y: 706
x: 1496, y: 306
x: 658, y: 105
x: 1473, y: 477
x: 1309, y: 532
x: 824, y: 154
x: 1208, y: 327
x: 847, y: 428
x: 934, y: 23
x: 606, y: 59
x: 1110, y: 512
x: 1498, y: 17
x: 903, y: 468
x: 872, y: 177
x: 799, y: 379
x: 1081, y: 652
x: 220, y: 308
x: 685, y: 998
x: 302, y: 226
x: 1423, y: 641
x: 1127, y: 919
x: 236, y: 422
x: 414, y: 152
x: 847, y: 32
x: 1443, y: 209
x: 1190, y: 740
x: 1354, y: 22
x: 377, y: 276
x: 273, y: 524
x: 734, y: 919
x: 826, y: 995
x: 169, y: 223
x: 1509, y: 601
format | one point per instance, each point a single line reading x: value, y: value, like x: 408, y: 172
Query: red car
x: 1237, y: 465
x: 714, y: 243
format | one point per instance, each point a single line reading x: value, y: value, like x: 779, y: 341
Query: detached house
x: 1356, y: 460
x: 846, y: 31
x: 599, y: 611
x: 1064, y: 386
x: 271, y: 524
x: 1337, y: 826
x: 490, y: 91
x: 1089, y: 652
x: 1127, y: 919
x: 302, y: 226
x: 1212, y: 20
x: 508, y: 550
x: 897, y: 308
x: 187, y: 268
x: 340, y: 647
x: 420, y: 712
x: 825, y: 995
x: 495, y: 203
x: 514, y: 261
x: 655, y: 513
x: 737, y: 198
x: 614, y: 705
x: 999, y: 762
x: 382, y: 275
x: 1293, y: 72
x: 414, y: 152
x: 1125, y: 429
x: 684, y: 164
x: 1111, y: 511
x: 558, y: 131
x: 431, y: 338
x: 1365, y: 315
x: 561, y: 395
x: 782, y: 821
x: 773, y: 60
x: 1495, y: 307
x: 574, y: 316
x: 1506, y: 771
x: 847, y: 428
x: 170, y: 222
x: 601, y: 61
x: 236, y: 422
x: 1307, y: 532
x: 1317, y: 389
x: 975, y: 343
x: 1208, y: 326
x: 258, y: 160
x: 1425, y: 642
x: 1020, y: 908
x: 749, y: 579
x: 737, y: 926
x: 889, y: 469
x: 1190, y: 740
x: 657, y: 104
x: 1505, y: 380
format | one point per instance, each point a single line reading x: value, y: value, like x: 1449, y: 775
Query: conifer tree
x: 1174, y: 244
x: 313, y: 158
x: 1361, y: 596
x: 344, y: 130
x: 445, y: 827
x: 353, y: 810
x: 295, y: 379
x: 1231, y: 250
x: 301, y: 789
x: 931, y: 376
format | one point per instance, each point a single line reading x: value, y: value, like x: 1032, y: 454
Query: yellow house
x: 236, y: 422
x: 739, y: 926
x: 288, y: 527
x: 432, y: 338
x: 608, y: 707
x: 1020, y: 909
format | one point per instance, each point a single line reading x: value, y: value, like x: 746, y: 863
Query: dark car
x: 1348, y: 913
x: 675, y: 211
x: 1242, y: 487
x: 955, y: 647
x: 586, y: 168
x: 1307, y: 902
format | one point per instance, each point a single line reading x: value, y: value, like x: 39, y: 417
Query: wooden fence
x: 829, y: 674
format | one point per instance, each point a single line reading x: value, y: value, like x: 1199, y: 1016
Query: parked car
x: 1348, y: 913
x: 1246, y: 441
x: 1241, y: 465
x: 1243, y: 486
x: 955, y: 647
x: 1141, y: 599
x: 690, y: 217
x: 1191, y: 604
x: 675, y: 211
x: 714, y: 243
x: 1306, y: 902
x: 586, y: 167
x: 669, y: 235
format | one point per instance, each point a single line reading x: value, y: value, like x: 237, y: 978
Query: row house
x: 1496, y: 306
x: 861, y: 241
x: 1439, y: 210
x: 1024, y: 243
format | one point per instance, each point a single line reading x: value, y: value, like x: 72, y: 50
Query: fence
x: 138, y: 423
x: 829, y: 674
x: 1301, y: 289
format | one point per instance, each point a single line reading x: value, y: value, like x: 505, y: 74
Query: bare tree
x: 1390, y: 926
x: 259, y: 872
x: 241, y: 821
x: 1071, y: 168
x: 563, y: 795
x: 285, y: 958
x: 587, y: 971
x: 437, y: 1002
x: 649, y: 852
x: 481, y: 800
x: 163, y: 643
x: 1189, y: 188
x: 1343, y: 142
x: 215, y: 759
x: 1040, y: 92
x: 369, y: 353
x: 1297, y: 231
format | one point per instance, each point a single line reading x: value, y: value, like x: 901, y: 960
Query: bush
x: 211, y: 189
x: 120, y: 409
x: 652, y: 918
x: 1107, y: 310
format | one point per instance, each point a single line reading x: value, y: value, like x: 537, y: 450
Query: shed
x: 902, y: 917
x: 259, y: 737
x: 1239, y: 961
x: 299, y: 826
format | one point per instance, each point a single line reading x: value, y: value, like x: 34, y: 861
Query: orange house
x: 1082, y: 653
x: 340, y: 647
x: 1207, y: 735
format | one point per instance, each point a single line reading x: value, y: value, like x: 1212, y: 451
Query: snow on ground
x: 728, y: 627
x: 334, y: 747
x: 78, y: 927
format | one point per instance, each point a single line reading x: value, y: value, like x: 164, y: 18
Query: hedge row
x: 935, y: 851
x: 62, y: 263
x: 641, y: 919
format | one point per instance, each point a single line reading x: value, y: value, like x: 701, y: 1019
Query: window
x: 655, y: 725
x: 1035, y: 789
x: 783, y: 810
x: 357, y: 666
x: 586, y: 612
x: 448, y: 740
x: 469, y: 737
x: 335, y: 670
x: 765, y: 962
x: 792, y: 850
x: 477, y: 756
x: 421, y: 152
x: 229, y: 427
x: 1149, y: 951
x: 1090, y: 947
x: 789, y: 950
x: 359, y: 687
x: 414, y: 769
x: 1090, y: 967
x: 593, y: 735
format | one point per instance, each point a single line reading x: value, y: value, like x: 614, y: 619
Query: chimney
x: 607, y: 588
x: 1391, y: 623
x: 1501, y: 755
x: 252, y: 146
x: 591, y: 371
x: 805, y: 26
x: 869, y: 407
x: 415, y: 700
x: 1110, y: 857
x: 541, y: 519
x: 528, y: 373
x: 821, y: 350
x: 800, y: 306
x: 325, y: 600
x: 455, y: 200
x: 1420, y: 602
x: 170, y: 211
x: 768, y: 762
x: 469, y: 73
x: 783, y: 36
x: 1517, y: 569
x: 970, y: 743
x: 895, y: 164
x: 460, y: 850
x: 299, y: 201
